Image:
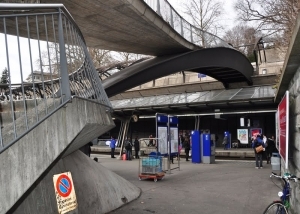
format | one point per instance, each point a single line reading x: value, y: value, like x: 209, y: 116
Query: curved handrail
x: 179, y: 24
x: 49, y: 33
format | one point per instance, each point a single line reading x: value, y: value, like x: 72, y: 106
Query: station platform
x: 242, y: 153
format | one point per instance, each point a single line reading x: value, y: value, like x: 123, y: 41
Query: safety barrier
x: 188, y: 31
x: 44, y: 63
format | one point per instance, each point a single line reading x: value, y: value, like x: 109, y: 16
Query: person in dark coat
x: 112, y: 146
x: 257, y: 141
x: 136, y: 145
x: 187, y: 148
x: 128, y: 148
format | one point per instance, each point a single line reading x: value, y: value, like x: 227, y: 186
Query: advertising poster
x: 162, y: 135
x: 283, y: 115
x: 174, y: 139
x: 242, y: 135
x: 256, y: 131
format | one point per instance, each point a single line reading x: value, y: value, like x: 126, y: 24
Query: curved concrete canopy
x: 128, y: 26
x: 224, y: 64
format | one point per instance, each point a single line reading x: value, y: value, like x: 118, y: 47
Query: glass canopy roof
x: 229, y: 95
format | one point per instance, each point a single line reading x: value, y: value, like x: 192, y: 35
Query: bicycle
x: 281, y: 206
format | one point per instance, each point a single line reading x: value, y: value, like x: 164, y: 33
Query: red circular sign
x: 64, y: 185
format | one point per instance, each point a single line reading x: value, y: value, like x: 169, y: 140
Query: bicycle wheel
x: 276, y: 208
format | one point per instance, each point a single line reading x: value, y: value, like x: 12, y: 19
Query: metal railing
x: 183, y: 27
x: 44, y: 63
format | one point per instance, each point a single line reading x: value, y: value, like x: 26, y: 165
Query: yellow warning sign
x: 65, y: 192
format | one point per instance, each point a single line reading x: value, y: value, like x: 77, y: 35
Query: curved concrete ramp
x: 130, y: 26
x: 98, y: 190
x: 224, y: 64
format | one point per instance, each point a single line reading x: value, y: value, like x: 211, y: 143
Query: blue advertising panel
x: 206, y: 145
x: 228, y: 136
x: 160, y: 118
x: 196, y: 155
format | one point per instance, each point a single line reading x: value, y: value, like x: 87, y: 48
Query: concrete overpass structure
x: 127, y: 26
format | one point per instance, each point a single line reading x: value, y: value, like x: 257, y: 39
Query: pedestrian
x: 266, y: 154
x: 225, y: 142
x: 257, y: 141
x: 136, y: 145
x: 187, y: 147
x: 180, y: 143
x: 151, y: 141
x: 128, y: 148
x: 172, y: 158
x: 112, y: 146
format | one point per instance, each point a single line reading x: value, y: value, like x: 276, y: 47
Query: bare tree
x: 50, y: 59
x: 128, y: 58
x: 100, y: 57
x: 275, y: 17
x: 205, y: 15
x: 243, y: 38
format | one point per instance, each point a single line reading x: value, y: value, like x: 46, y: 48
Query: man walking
x: 112, y: 147
x: 136, y: 148
x: 187, y: 147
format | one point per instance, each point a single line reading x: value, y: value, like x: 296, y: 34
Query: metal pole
x: 181, y: 27
x: 191, y: 29
x: 171, y: 17
x: 65, y: 86
x: 158, y: 7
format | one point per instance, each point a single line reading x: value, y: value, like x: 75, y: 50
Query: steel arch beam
x: 224, y: 64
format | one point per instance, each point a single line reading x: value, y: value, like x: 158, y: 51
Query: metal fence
x: 44, y: 63
x: 183, y: 27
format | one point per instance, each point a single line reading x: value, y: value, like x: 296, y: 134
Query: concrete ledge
x: 231, y: 153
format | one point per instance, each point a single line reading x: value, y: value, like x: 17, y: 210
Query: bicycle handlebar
x: 285, y: 176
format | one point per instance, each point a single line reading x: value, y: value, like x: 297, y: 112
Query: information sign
x: 174, y: 139
x: 162, y: 135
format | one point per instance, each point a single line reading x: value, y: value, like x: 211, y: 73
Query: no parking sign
x: 65, y: 192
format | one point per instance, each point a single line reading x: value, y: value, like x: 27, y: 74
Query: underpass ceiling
x: 127, y: 27
x: 245, y: 99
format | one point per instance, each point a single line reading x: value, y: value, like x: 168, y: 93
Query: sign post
x: 65, y: 192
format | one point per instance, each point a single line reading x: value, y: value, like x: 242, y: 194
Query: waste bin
x: 275, y: 161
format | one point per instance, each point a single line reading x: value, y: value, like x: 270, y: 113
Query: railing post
x: 181, y: 27
x: 191, y: 29
x: 158, y: 7
x: 65, y: 84
x: 171, y: 17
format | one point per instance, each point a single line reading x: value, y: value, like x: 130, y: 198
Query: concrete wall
x: 98, y: 190
x: 294, y: 141
x: 63, y: 132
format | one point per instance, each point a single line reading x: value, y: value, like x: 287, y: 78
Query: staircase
x: 44, y: 121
